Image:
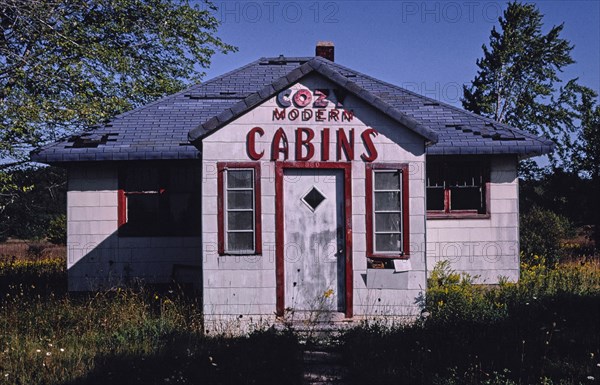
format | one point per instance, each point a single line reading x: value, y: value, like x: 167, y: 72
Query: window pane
x: 240, y: 178
x: 435, y: 198
x: 387, y: 222
x: 387, y: 201
x: 239, y: 199
x: 387, y: 180
x: 387, y: 243
x: 240, y: 242
x: 142, y: 209
x: 466, y: 198
x: 240, y: 220
x: 314, y: 198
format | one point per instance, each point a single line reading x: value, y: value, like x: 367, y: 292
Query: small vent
x: 431, y: 104
x: 313, y: 198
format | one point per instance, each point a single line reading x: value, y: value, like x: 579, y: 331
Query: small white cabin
x: 293, y: 185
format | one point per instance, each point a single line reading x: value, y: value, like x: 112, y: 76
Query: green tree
x: 588, y: 145
x: 588, y: 154
x: 518, y: 80
x: 66, y: 65
x: 31, y: 198
x: 9, y: 193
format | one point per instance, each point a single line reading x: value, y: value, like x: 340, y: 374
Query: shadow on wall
x: 133, y: 261
x: 502, y: 175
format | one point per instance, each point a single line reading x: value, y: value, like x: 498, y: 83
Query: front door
x: 314, y: 254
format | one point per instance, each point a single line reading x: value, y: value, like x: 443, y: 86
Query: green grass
x: 123, y: 337
x: 543, y: 330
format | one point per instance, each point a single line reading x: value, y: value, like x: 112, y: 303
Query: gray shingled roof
x: 323, y: 67
x: 160, y: 130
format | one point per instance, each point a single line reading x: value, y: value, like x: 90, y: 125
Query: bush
x: 452, y: 298
x: 542, y: 232
x: 57, y: 230
x: 33, y: 277
x: 541, y: 330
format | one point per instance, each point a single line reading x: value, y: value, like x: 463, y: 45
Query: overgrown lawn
x: 543, y: 330
x: 123, y: 336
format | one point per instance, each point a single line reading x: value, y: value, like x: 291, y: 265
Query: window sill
x: 249, y: 254
x: 436, y: 216
x: 388, y: 256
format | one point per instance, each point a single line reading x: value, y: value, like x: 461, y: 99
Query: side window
x: 456, y: 187
x: 387, y: 210
x: 239, y: 208
x: 159, y: 200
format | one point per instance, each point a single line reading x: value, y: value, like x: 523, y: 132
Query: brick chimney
x: 325, y: 50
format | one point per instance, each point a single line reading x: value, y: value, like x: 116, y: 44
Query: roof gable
x: 322, y: 67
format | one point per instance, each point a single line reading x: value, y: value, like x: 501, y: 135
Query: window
x: 239, y: 208
x: 313, y: 198
x: 159, y: 200
x: 387, y: 211
x: 457, y: 187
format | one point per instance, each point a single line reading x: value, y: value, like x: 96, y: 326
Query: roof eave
x: 523, y: 152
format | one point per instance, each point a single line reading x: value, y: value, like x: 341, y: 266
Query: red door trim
x: 279, y: 234
x: 121, y: 208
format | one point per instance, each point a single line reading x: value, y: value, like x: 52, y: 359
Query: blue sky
x: 427, y: 46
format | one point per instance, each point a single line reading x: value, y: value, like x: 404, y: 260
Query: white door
x: 314, y: 255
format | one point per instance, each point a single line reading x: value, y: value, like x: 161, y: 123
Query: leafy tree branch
x: 67, y: 65
x: 519, y: 83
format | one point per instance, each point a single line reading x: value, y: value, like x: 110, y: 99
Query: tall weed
x: 124, y: 337
x: 545, y: 329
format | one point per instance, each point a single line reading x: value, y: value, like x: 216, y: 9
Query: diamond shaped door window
x: 313, y: 198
